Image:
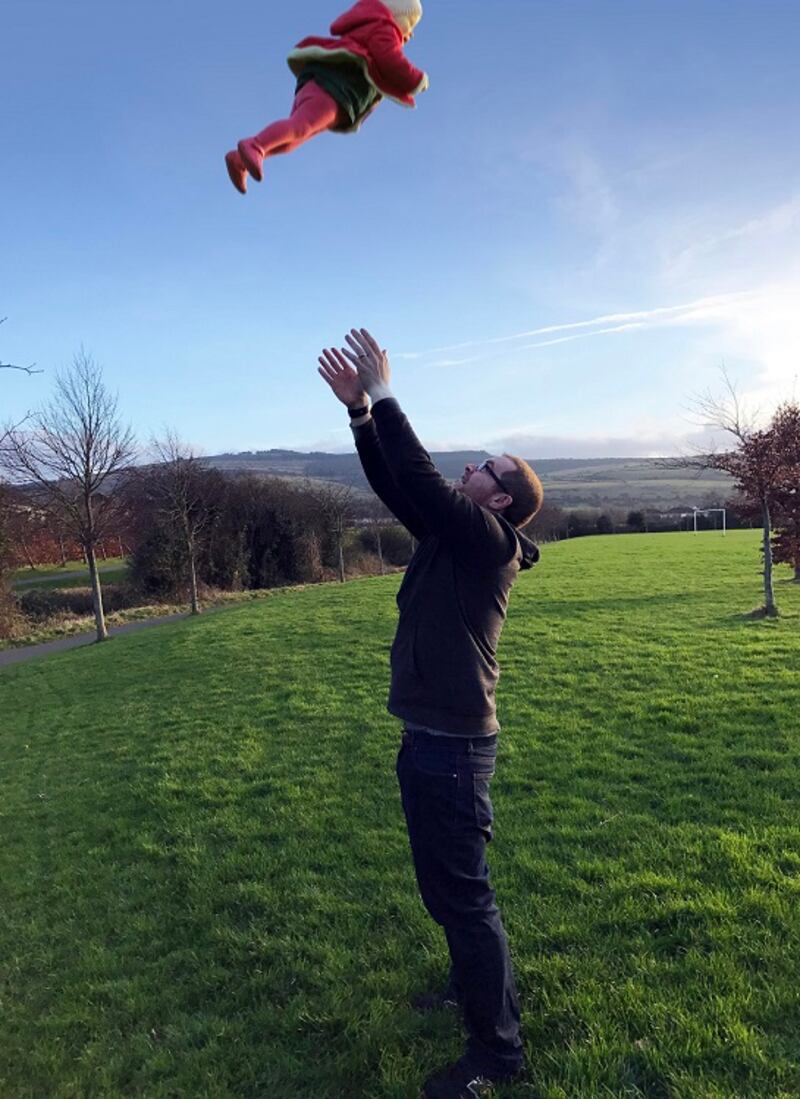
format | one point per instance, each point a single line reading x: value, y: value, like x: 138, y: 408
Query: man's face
x: 481, y: 487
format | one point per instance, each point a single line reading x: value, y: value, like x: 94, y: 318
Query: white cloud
x: 783, y: 219
x: 768, y: 333
x: 645, y: 445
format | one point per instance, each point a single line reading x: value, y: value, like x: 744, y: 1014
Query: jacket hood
x: 530, y: 551
x: 361, y: 13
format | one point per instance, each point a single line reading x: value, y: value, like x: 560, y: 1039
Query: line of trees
x: 7, y: 607
x: 190, y: 526
x: 554, y: 523
x: 198, y: 527
x: 75, y: 482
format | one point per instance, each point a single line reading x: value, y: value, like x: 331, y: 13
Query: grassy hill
x: 205, y: 888
x: 569, y: 482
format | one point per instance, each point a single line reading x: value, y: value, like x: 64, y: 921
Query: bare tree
x: 178, y: 488
x: 74, y: 451
x: 754, y: 462
x: 336, y: 503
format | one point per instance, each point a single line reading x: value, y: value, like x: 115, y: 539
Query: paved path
x: 47, y: 577
x: 61, y: 644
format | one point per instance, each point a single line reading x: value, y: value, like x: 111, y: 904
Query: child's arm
x: 395, y: 68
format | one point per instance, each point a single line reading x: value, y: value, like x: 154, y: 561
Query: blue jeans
x: 444, y: 785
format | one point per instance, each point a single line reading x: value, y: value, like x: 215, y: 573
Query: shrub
x: 396, y: 545
x: 10, y: 618
x: 549, y: 525
x: 581, y: 522
x: 39, y: 606
x: 158, y: 564
x: 363, y: 564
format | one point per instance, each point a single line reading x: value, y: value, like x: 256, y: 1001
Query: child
x: 340, y: 81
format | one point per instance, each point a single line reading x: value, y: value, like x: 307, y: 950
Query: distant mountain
x: 623, y: 483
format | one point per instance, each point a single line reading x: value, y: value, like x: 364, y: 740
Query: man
x: 452, y: 605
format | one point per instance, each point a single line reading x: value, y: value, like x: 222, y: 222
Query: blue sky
x: 595, y: 206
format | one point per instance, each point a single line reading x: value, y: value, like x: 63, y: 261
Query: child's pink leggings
x: 314, y: 110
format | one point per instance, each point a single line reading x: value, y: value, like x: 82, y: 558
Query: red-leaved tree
x: 785, y: 428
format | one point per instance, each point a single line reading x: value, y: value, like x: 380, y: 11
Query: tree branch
x: 11, y: 366
x: 24, y: 369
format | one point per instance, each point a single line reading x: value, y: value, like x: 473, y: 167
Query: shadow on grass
x: 758, y: 614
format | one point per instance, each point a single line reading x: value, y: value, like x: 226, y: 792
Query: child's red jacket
x: 368, y: 35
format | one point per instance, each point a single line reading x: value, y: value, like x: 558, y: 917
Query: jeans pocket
x: 482, y: 802
x: 436, y: 764
x: 433, y: 798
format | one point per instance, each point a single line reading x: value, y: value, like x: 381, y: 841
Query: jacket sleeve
x: 470, y: 530
x: 383, y: 484
x: 392, y: 64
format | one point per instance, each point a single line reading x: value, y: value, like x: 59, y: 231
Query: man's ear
x: 500, y: 501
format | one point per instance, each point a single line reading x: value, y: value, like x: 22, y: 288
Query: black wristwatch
x: 356, y: 412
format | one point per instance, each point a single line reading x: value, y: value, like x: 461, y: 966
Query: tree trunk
x: 797, y: 572
x: 97, y: 595
x: 380, y: 550
x: 770, y: 608
x: 193, y: 579
x: 27, y: 552
x: 63, y: 550
x: 341, y: 556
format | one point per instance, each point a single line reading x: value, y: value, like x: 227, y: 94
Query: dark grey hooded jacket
x: 454, y: 596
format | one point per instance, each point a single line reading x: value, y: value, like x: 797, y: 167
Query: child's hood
x: 361, y: 14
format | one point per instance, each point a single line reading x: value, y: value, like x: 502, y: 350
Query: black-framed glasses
x: 485, y: 467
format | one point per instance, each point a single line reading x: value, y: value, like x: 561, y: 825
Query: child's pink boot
x: 236, y: 171
x: 252, y: 157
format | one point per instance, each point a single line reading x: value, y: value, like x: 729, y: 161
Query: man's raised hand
x: 371, y: 362
x: 342, y: 378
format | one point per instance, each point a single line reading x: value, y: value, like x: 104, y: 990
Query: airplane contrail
x: 613, y: 322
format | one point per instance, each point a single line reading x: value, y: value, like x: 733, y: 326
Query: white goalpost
x: 707, y: 511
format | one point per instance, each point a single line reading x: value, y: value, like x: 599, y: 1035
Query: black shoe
x: 460, y: 1081
x: 427, y: 1002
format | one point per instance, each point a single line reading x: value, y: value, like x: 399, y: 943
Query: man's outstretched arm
x: 343, y: 380
x: 446, y: 512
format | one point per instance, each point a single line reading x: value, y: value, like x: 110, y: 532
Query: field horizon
x: 620, y: 483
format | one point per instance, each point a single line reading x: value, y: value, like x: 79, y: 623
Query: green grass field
x: 51, y: 583
x: 205, y: 888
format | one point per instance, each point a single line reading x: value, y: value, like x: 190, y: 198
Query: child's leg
x: 314, y: 110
